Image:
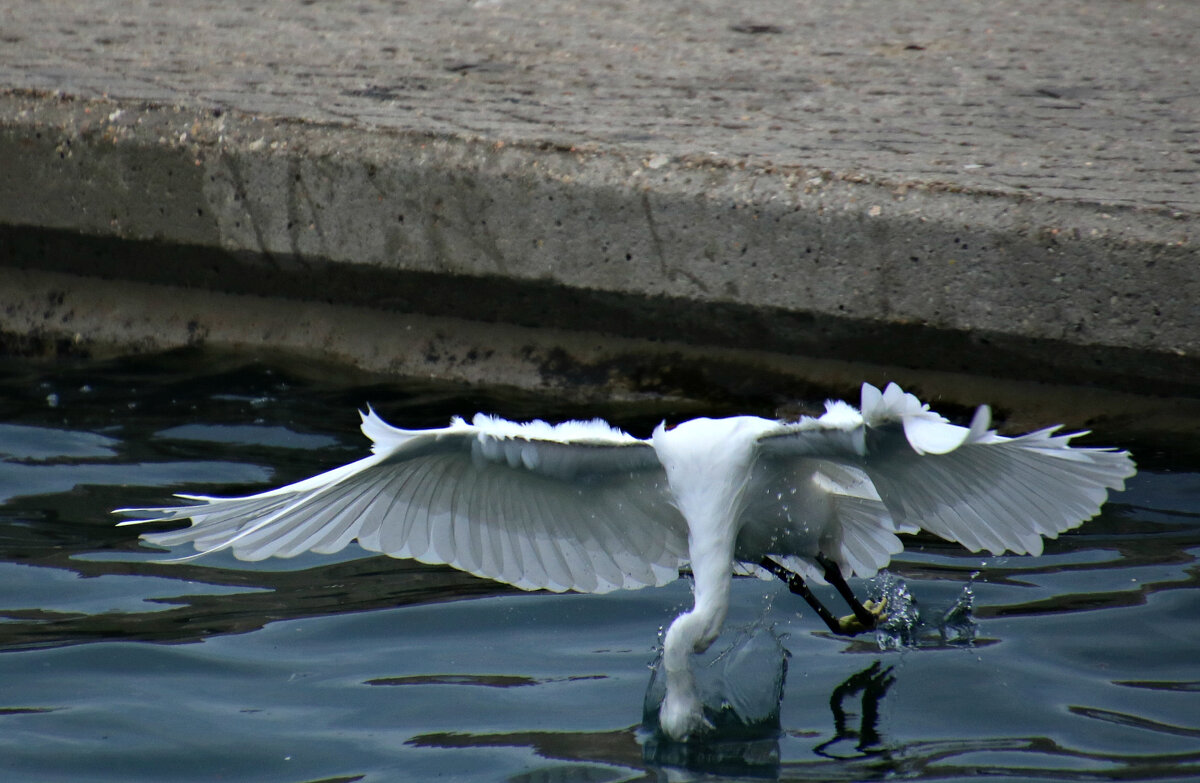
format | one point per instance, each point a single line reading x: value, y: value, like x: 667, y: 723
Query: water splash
x: 741, y: 684
x: 910, y: 625
x: 741, y: 687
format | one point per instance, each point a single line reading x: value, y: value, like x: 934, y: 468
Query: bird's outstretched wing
x: 577, y: 506
x: 965, y: 484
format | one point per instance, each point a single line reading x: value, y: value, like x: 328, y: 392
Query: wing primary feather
x: 600, y: 545
x: 583, y: 570
x: 1048, y: 516
x: 279, y: 539
x: 344, y: 529
x: 303, y: 520
x: 491, y: 537
x: 511, y: 551
x: 252, y: 526
x: 204, y: 511
x: 375, y: 518
x: 468, y: 545
x: 396, y: 534
x: 470, y: 532
x: 1028, y: 506
x: 975, y: 536
x: 428, y: 513
x: 552, y: 548
x: 605, y: 538
x: 575, y: 553
x: 646, y: 542
x: 558, y: 572
x: 528, y: 573
x: 1004, y: 515
x: 1029, y: 502
x: 376, y: 505
x: 441, y: 531
x: 340, y: 529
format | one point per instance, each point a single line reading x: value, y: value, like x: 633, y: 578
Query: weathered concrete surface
x: 1011, y: 191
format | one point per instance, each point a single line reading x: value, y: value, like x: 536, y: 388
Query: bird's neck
x: 707, y: 462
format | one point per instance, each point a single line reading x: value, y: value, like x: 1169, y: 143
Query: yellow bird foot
x: 850, y: 625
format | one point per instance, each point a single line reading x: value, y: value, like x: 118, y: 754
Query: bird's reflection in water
x: 865, y: 740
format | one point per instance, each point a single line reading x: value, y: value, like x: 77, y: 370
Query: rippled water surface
x: 116, y: 666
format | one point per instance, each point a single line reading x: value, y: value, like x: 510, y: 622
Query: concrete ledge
x: 1006, y: 190
x: 690, y: 251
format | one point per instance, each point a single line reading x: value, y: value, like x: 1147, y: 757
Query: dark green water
x: 115, y: 666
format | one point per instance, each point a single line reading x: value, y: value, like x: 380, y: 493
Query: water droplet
x: 907, y: 625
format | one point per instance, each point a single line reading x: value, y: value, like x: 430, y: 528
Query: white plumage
x: 583, y: 506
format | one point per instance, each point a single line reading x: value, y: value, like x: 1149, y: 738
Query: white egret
x: 583, y: 506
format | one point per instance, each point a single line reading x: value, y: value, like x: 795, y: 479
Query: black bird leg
x: 864, y: 618
x: 833, y: 575
x: 796, y: 584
